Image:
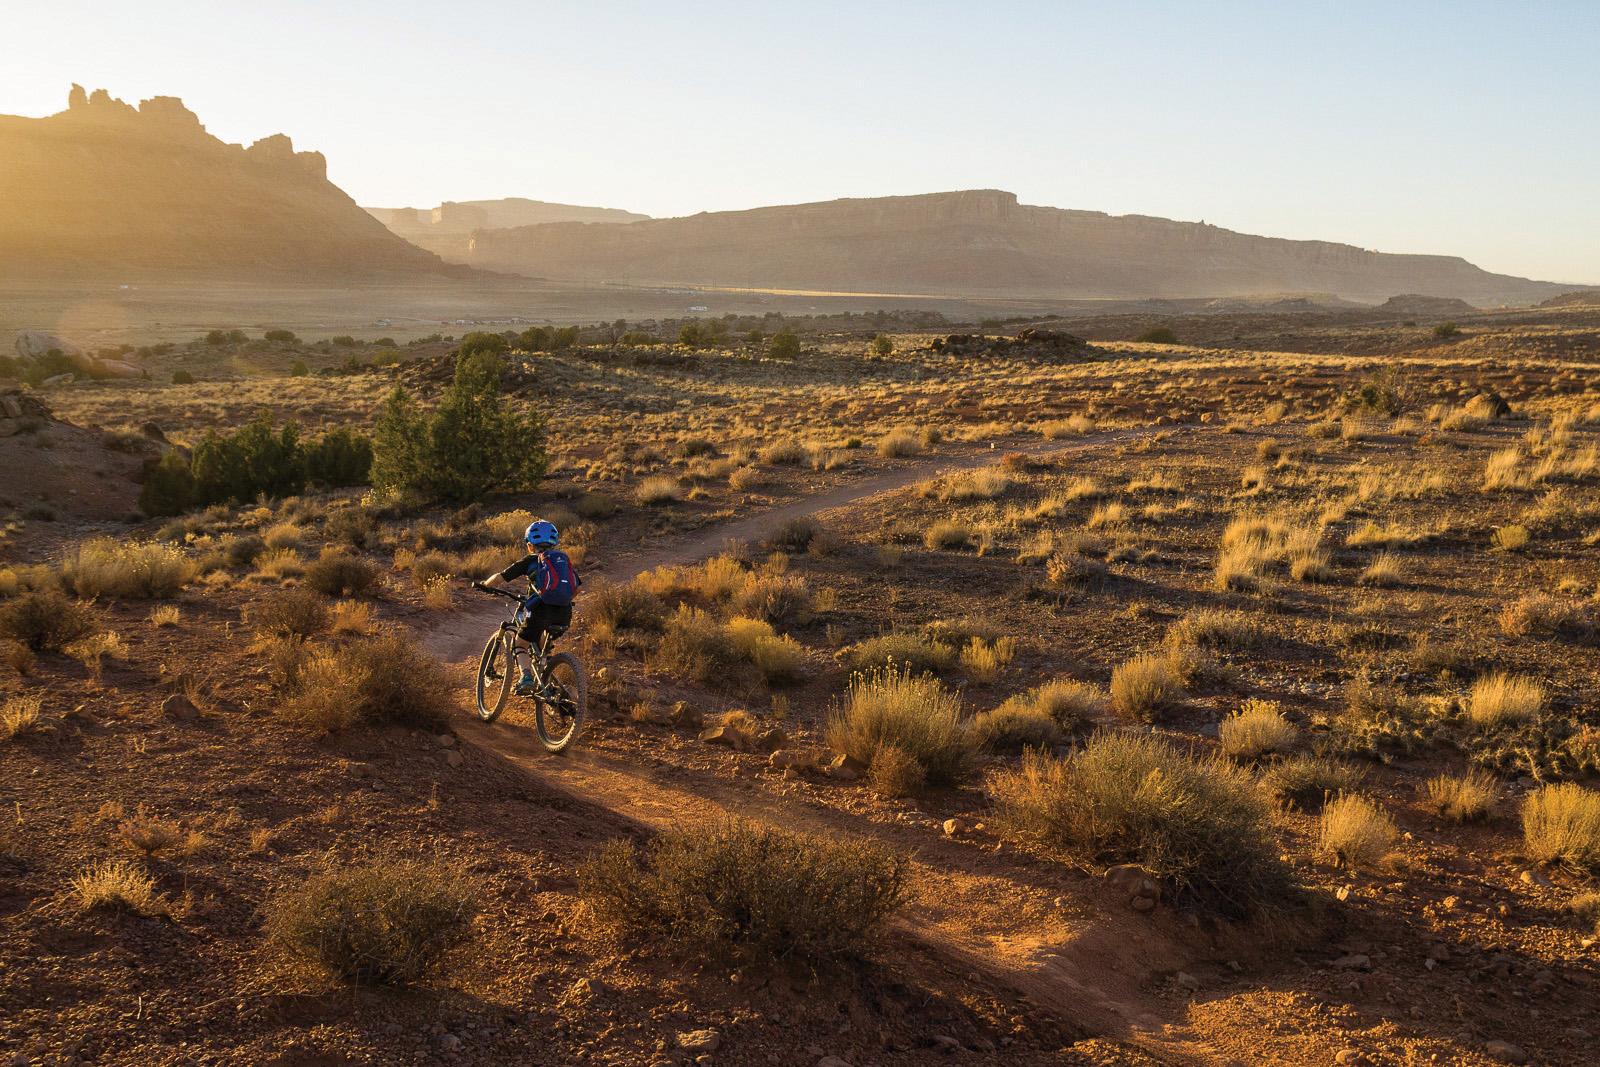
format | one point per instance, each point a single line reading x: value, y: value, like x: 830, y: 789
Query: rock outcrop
x: 35, y: 345
x: 448, y: 228
x: 979, y: 243
x: 1430, y: 306
x: 108, y: 191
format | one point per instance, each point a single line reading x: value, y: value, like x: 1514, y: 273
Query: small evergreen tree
x: 784, y: 345
x: 472, y: 444
x: 169, y: 487
x: 339, y: 457
x: 259, y: 458
x: 883, y: 345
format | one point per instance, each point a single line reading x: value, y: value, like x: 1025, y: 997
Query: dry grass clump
x: 289, y: 613
x: 283, y: 535
x: 898, y: 443
x: 382, y: 679
x: 777, y: 658
x: 91, y: 649
x: 983, y: 660
x: 1306, y: 782
x: 744, y: 479
x: 1252, y: 543
x: 1071, y: 703
x: 794, y: 535
x: 1499, y: 699
x: 1384, y: 572
x: 912, y: 651
x: 166, y: 615
x: 20, y: 715
x: 277, y: 564
x: 1561, y: 824
x: 1356, y: 832
x: 1199, y: 826
x: 151, y: 835
x: 1144, y: 686
x: 1216, y: 628
x: 339, y: 573
x: 1070, y: 570
x: 1513, y: 537
x: 1464, y: 797
x: 783, y: 454
x: 105, y: 567
x: 1072, y: 426
x: 658, y: 489
x: 385, y: 921
x: 1503, y: 470
x: 1257, y: 729
x: 948, y: 534
x: 986, y: 483
x: 744, y: 890
x: 351, y: 617
x: 912, y: 712
x: 1545, y: 615
x: 44, y: 619
x: 117, y: 884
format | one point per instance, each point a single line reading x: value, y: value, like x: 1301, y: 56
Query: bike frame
x: 519, y: 615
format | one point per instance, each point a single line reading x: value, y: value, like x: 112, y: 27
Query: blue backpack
x: 554, y: 578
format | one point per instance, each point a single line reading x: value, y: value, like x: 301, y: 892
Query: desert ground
x: 1222, y: 701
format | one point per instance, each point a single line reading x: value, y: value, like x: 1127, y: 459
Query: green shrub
x: 913, y: 651
x: 784, y: 345
x: 1200, y: 826
x: 748, y: 891
x: 1445, y: 330
x: 338, y: 458
x: 258, y: 459
x: 883, y: 345
x: 44, y: 619
x: 282, y: 337
x: 383, y: 921
x: 1014, y: 727
x: 182, y: 377
x: 912, y: 712
x: 1157, y: 335
x: 288, y: 613
x: 472, y: 444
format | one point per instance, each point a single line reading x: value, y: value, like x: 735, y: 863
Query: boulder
x: 846, y: 768
x: 36, y: 344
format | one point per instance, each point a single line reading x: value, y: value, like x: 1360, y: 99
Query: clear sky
x: 1462, y: 128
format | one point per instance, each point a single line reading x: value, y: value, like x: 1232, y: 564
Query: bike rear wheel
x: 559, y: 718
x: 494, y: 676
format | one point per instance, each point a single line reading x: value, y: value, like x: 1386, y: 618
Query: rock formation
x: 108, y: 191
x: 979, y: 243
x: 448, y: 228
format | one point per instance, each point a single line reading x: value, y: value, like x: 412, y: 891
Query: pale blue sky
x: 1464, y: 128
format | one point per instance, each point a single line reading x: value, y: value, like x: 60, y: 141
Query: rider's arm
x: 501, y: 579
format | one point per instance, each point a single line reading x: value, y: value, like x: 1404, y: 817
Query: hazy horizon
x: 1445, y: 129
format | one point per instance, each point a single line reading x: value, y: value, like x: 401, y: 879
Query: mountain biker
x: 553, y: 584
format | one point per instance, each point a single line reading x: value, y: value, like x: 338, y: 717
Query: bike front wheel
x: 559, y: 715
x: 494, y: 676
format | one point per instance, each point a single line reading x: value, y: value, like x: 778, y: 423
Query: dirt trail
x: 1086, y: 961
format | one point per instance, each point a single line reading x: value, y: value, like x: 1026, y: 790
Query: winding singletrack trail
x: 1087, y: 960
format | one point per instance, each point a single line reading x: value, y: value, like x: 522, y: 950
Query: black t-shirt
x: 520, y: 569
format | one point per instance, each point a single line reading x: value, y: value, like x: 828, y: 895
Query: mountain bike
x: 561, y: 698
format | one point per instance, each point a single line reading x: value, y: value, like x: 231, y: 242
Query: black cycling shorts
x: 541, y: 617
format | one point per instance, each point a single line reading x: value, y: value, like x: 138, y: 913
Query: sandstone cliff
x: 104, y: 190
x: 447, y: 229
x: 977, y: 243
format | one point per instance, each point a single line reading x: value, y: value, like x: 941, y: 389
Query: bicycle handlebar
x: 480, y: 587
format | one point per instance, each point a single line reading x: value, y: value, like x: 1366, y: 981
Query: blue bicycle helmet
x: 541, y: 534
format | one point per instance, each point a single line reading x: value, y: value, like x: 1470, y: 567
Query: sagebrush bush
x: 288, y: 613
x: 912, y: 712
x: 624, y: 605
x: 1561, y: 824
x: 1257, y: 729
x: 44, y: 619
x: 897, y: 443
x: 658, y: 489
x: 1356, y: 832
x: 778, y: 658
x: 914, y: 651
x: 775, y: 598
x: 383, y: 679
x: 1144, y: 686
x: 1216, y: 628
x: 1199, y: 826
x: 1307, y: 782
x: 1072, y: 704
x: 894, y: 772
x: 383, y: 921
x: 694, y: 645
x: 19, y: 715
x: 338, y: 573
x: 1014, y: 727
x: 748, y: 891
x: 1464, y: 797
x: 948, y: 534
x: 105, y: 567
